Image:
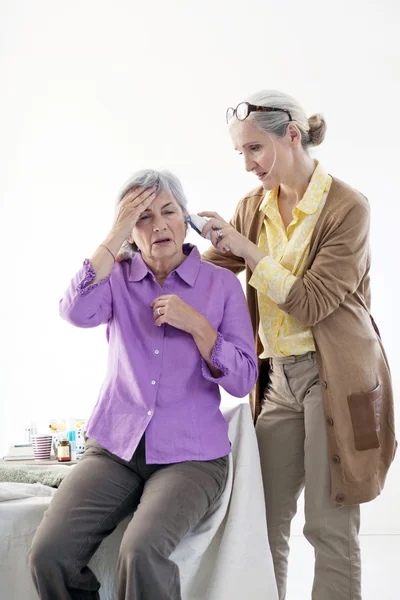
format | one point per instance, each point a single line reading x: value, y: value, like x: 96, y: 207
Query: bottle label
x: 63, y: 452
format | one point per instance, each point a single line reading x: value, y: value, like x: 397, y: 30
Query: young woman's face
x: 161, y: 229
x: 267, y: 156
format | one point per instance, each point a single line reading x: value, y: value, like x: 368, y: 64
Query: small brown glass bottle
x: 64, y: 450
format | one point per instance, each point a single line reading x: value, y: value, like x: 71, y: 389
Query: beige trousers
x: 294, y: 455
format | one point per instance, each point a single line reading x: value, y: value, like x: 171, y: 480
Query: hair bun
x: 317, y: 129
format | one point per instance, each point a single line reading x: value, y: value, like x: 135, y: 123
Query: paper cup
x: 41, y: 445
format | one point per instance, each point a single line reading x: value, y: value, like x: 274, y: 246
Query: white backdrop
x: 93, y: 90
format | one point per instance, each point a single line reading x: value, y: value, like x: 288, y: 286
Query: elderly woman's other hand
x: 172, y: 310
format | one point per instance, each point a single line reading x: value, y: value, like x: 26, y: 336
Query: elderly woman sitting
x: 177, y: 329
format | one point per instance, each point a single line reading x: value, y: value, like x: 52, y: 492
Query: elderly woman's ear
x: 130, y: 239
x: 187, y: 226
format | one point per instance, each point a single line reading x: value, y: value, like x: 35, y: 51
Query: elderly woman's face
x: 160, y: 230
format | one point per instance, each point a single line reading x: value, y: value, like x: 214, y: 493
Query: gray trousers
x: 291, y: 433
x: 101, y: 491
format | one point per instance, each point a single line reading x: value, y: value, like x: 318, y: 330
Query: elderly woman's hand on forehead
x: 224, y: 237
x: 131, y: 207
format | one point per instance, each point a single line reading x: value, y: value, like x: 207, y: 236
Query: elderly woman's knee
x: 42, y: 556
x: 138, y: 545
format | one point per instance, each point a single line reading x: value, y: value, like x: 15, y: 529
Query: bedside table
x: 40, y: 463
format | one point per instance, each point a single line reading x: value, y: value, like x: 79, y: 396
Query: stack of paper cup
x: 41, y: 446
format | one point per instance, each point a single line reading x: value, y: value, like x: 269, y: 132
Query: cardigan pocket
x: 365, y: 410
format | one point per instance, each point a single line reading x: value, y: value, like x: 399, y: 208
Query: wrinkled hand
x: 172, y: 310
x: 224, y: 237
x: 131, y: 207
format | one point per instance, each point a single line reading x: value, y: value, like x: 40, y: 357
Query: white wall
x: 93, y: 90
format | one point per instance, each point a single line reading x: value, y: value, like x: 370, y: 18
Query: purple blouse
x: 157, y: 382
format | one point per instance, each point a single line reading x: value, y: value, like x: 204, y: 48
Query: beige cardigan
x: 333, y: 298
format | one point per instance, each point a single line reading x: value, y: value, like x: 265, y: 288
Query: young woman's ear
x: 294, y: 134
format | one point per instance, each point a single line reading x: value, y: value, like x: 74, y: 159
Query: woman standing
x: 323, y: 405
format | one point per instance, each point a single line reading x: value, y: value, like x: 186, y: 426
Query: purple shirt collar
x: 187, y: 270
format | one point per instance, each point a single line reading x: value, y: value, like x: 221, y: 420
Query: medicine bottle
x: 64, y: 451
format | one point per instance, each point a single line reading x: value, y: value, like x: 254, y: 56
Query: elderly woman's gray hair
x: 312, y: 128
x: 165, y: 181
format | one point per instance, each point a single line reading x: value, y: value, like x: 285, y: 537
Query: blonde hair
x: 312, y: 129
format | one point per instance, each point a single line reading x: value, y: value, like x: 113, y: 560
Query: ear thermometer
x: 197, y: 223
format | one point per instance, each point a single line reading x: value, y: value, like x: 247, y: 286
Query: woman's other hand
x: 170, y: 309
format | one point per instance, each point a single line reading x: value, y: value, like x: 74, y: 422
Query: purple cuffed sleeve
x: 234, y: 352
x: 215, y: 361
x: 85, y: 304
